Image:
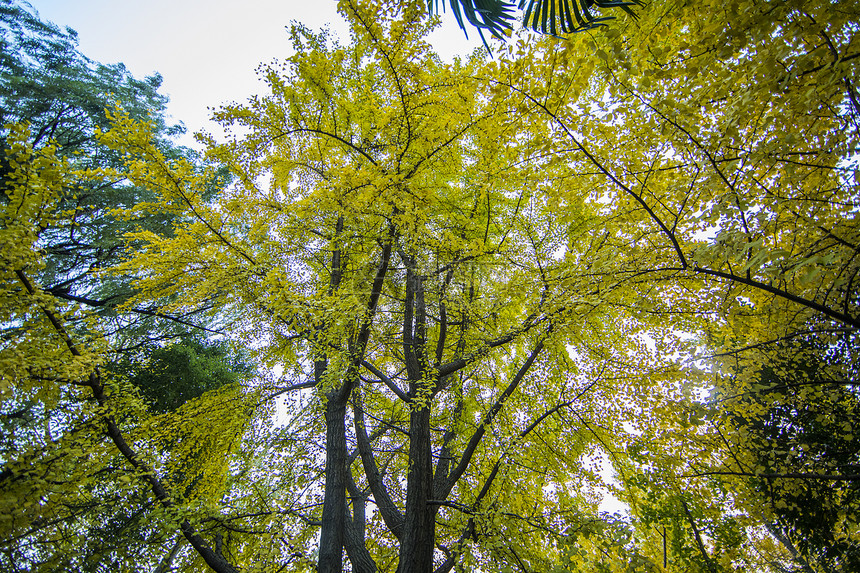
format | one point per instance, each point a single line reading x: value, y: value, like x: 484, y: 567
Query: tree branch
x: 466, y: 458
x: 214, y: 559
x: 388, y: 510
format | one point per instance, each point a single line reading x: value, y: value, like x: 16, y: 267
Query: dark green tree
x: 170, y: 375
x: 804, y: 448
x: 48, y: 84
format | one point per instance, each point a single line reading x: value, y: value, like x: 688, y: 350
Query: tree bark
x: 354, y: 541
x: 334, y: 519
x: 387, y: 509
x: 419, y: 528
x: 334, y: 503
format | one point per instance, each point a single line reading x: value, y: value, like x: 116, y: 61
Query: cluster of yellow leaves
x: 31, y: 185
x: 199, y: 440
x: 717, y: 144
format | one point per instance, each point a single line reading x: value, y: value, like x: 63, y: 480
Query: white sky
x: 206, y: 50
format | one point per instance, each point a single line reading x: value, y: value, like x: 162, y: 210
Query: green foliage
x: 168, y: 376
x: 799, y: 420
x: 70, y: 499
x: 61, y: 95
x: 47, y: 83
x: 569, y: 16
x: 491, y: 15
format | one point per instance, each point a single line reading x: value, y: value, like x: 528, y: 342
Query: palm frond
x: 554, y: 17
x: 570, y: 16
x: 494, y: 16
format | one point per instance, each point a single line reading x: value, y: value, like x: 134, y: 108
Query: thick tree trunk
x: 419, y: 531
x: 334, y: 516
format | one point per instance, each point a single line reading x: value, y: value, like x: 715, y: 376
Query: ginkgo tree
x: 722, y: 141
x: 388, y: 242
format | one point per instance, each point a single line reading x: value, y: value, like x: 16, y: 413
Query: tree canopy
x: 471, y: 299
x: 67, y: 343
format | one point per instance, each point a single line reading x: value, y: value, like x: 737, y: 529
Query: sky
x: 206, y: 50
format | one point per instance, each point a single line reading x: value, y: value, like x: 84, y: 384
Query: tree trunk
x: 359, y: 556
x: 419, y: 531
x: 334, y: 516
